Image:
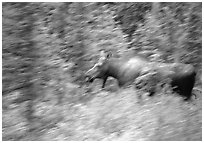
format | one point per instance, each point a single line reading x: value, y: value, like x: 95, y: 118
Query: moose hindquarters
x: 184, y: 87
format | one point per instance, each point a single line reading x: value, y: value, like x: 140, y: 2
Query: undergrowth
x: 107, y: 115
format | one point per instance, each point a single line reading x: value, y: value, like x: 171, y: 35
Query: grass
x: 107, y: 115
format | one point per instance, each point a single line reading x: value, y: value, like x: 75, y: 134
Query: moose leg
x: 104, y: 82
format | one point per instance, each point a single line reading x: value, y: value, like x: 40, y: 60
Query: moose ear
x: 102, y: 54
x: 105, y: 55
x: 109, y: 54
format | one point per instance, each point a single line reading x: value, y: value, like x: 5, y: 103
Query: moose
x: 127, y: 70
x: 124, y: 70
x: 181, y: 76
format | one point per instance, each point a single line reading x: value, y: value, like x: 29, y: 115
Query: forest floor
x: 111, y: 114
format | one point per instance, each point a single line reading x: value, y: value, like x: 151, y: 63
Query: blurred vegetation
x: 47, y: 47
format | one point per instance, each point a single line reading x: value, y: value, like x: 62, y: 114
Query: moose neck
x: 113, y: 69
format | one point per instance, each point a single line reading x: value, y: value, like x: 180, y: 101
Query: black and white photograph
x: 102, y: 71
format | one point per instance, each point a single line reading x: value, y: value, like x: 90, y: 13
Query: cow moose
x: 127, y: 70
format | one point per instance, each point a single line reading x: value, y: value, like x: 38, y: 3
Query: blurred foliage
x: 47, y: 47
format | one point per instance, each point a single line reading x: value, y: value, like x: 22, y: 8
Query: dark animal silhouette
x: 125, y: 70
x: 181, y: 76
